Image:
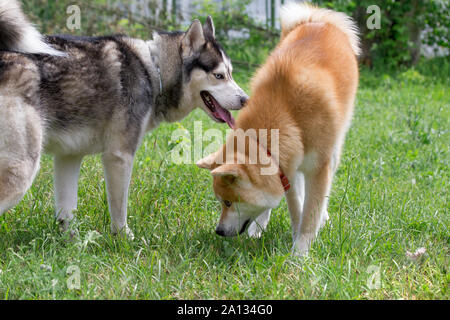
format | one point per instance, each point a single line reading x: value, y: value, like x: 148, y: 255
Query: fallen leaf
x: 416, y: 255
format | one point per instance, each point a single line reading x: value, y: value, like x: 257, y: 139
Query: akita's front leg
x: 295, y: 198
x: 257, y: 227
x: 118, y: 167
x: 66, y: 172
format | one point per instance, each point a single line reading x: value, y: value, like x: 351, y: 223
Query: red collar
x: 284, y: 180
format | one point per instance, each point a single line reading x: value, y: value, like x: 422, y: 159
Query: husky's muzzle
x: 217, y: 112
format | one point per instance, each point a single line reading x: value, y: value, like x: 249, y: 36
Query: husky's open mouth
x: 217, y: 111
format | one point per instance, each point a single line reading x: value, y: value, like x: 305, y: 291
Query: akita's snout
x: 223, y: 231
x: 233, y: 220
x: 236, y: 217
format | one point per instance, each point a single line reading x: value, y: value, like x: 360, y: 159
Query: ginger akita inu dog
x: 306, y: 91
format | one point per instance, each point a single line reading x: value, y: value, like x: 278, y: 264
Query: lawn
x: 390, y: 196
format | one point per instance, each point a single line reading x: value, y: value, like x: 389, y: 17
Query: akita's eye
x: 227, y: 203
x: 219, y: 76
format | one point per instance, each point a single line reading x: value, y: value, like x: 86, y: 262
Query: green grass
x: 390, y: 195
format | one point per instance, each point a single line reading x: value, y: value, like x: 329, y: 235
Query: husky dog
x: 74, y: 96
x: 306, y: 91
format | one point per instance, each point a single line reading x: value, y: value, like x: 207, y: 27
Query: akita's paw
x: 302, y: 245
x: 257, y: 227
x: 323, y: 219
x: 254, y: 230
x: 300, y: 253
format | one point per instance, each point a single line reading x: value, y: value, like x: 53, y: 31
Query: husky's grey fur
x: 73, y: 96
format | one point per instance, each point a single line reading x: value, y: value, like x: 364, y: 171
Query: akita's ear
x: 208, y: 29
x: 207, y: 162
x: 228, y: 172
x: 193, y: 39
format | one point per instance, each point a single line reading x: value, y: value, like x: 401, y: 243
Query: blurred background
x: 409, y: 30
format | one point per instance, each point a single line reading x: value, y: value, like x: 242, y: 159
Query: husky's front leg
x: 66, y: 171
x: 118, y: 167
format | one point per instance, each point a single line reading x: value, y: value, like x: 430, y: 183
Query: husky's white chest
x: 78, y: 141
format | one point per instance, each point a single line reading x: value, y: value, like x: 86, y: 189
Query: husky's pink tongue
x: 216, y: 109
x: 225, y: 115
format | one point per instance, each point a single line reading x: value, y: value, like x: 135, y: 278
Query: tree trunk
x: 360, y: 17
x: 414, y: 31
x: 163, y: 14
x: 174, y: 11
x: 272, y: 14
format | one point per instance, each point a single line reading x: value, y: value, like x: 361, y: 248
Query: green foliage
x: 98, y: 17
x: 398, y: 41
x: 437, y: 17
x: 246, y: 40
x: 101, y: 17
x: 426, y: 72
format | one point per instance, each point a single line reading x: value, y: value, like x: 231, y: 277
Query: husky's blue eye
x: 219, y: 76
x: 227, y: 203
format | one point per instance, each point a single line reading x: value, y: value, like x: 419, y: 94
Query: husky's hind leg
x: 20, y: 149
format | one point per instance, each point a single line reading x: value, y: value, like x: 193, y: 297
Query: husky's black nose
x: 243, y: 100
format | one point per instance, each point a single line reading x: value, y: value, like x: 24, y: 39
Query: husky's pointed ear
x: 193, y: 39
x: 208, y: 28
x: 228, y: 172
x: 207, y: 162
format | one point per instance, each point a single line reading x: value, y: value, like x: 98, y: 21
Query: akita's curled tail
x: 18, y: 34
x: 293, y: 14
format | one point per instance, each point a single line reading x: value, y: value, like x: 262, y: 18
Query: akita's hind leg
x: 317, y: 189
x: 334, y: 163
x: 20, y: 149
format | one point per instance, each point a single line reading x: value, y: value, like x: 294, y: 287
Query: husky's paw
x: 125, y: 231
x: 68, y: 229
